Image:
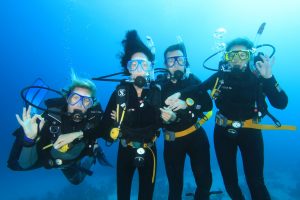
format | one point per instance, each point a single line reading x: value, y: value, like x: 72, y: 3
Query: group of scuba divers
x: 175, y: 103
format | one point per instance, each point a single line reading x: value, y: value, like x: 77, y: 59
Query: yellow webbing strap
x: 192, y: 128
x: 212, y: 94
x: 154, y: 164
x: 251, y: 124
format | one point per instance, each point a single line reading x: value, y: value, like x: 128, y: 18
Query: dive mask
x: 243, y: 55
x: 181, y: 60
x: 86, y: 101
x: 134, y: 65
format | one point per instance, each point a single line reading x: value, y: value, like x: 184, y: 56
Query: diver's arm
x: 23, y: 155
x: 275, y: 94
x: 202, y: 103
x: 28, y: 157
x: 67, y: 138
x: 199, y: 101
x: 208, y: 84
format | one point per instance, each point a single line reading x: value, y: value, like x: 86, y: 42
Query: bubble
x: 219, y: 36
x: 219, y: 33
x: 220, y: 46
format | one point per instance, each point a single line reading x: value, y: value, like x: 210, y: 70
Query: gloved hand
x: 265, y: 67
x: 172, y: 99
x: 177, y: 105
x: 113, y: 115
x: 167, y: 115
x: 29, y: 124
x: 67, y: 138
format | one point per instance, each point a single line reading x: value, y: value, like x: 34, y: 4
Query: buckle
x: 169, y: 135
x: 197, y: 125
x: 137, y: 145
x: 236, y: 124
x: 221, y: 120
x: 123, y: 142
x: 231, y: 132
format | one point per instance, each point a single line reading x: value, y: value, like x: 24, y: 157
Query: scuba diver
x: 55, y: 138
x: 239, y: 90
x: 182, y: 130
x: 132, y: 116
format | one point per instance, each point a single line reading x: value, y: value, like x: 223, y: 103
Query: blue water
x: 46, y: 38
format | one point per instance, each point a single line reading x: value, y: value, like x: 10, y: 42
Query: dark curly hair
x: 133, y: 44
x: 239, y: 41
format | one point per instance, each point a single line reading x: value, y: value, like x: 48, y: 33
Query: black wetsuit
x: 241, y: 97
x: 75, y: 163
x: 195, y: 144
x: 140, y: 126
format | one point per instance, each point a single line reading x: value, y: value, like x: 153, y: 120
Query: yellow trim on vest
x: 214, y: 88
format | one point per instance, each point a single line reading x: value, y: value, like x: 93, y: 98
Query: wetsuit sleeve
x: 275, y: 94
x: 23, y: 156
x: 202, y: 103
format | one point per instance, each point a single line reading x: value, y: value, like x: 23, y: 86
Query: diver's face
x: 175, y: 60
x: 237, y: 62
x: 80, y: 101
x: 140, y: 68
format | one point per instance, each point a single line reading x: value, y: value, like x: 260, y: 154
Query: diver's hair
x: 81, y: 83
x: 179, y: 46
x: 239, y: 41
x: 133, y: 44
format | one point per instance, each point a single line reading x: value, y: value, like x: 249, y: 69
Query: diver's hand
x: 113, y: 115
x: 168, y: 115
x: 265, y: 67
x: 177, y: 105
x: 67, y: 138
x: 29, y: 124
x: 172, y: 99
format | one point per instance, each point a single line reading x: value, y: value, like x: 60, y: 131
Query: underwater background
x: 46, y: 38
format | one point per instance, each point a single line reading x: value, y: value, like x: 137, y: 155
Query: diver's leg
x: 252, y: 149
x: 147, y: 174
x: 125, y: 171
x: 74, y: 174
x: 226, y: 151
x: 198, y: 150
x: 174, y: 157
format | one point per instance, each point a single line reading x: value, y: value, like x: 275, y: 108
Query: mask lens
x: 229, y: 56
x: 87, y: 102
x: 181, y: 60
x: 244, y: 55
x: 170, y: 62
x: 132, y: 65
x: 73, y: 99
x: 146, y: 65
